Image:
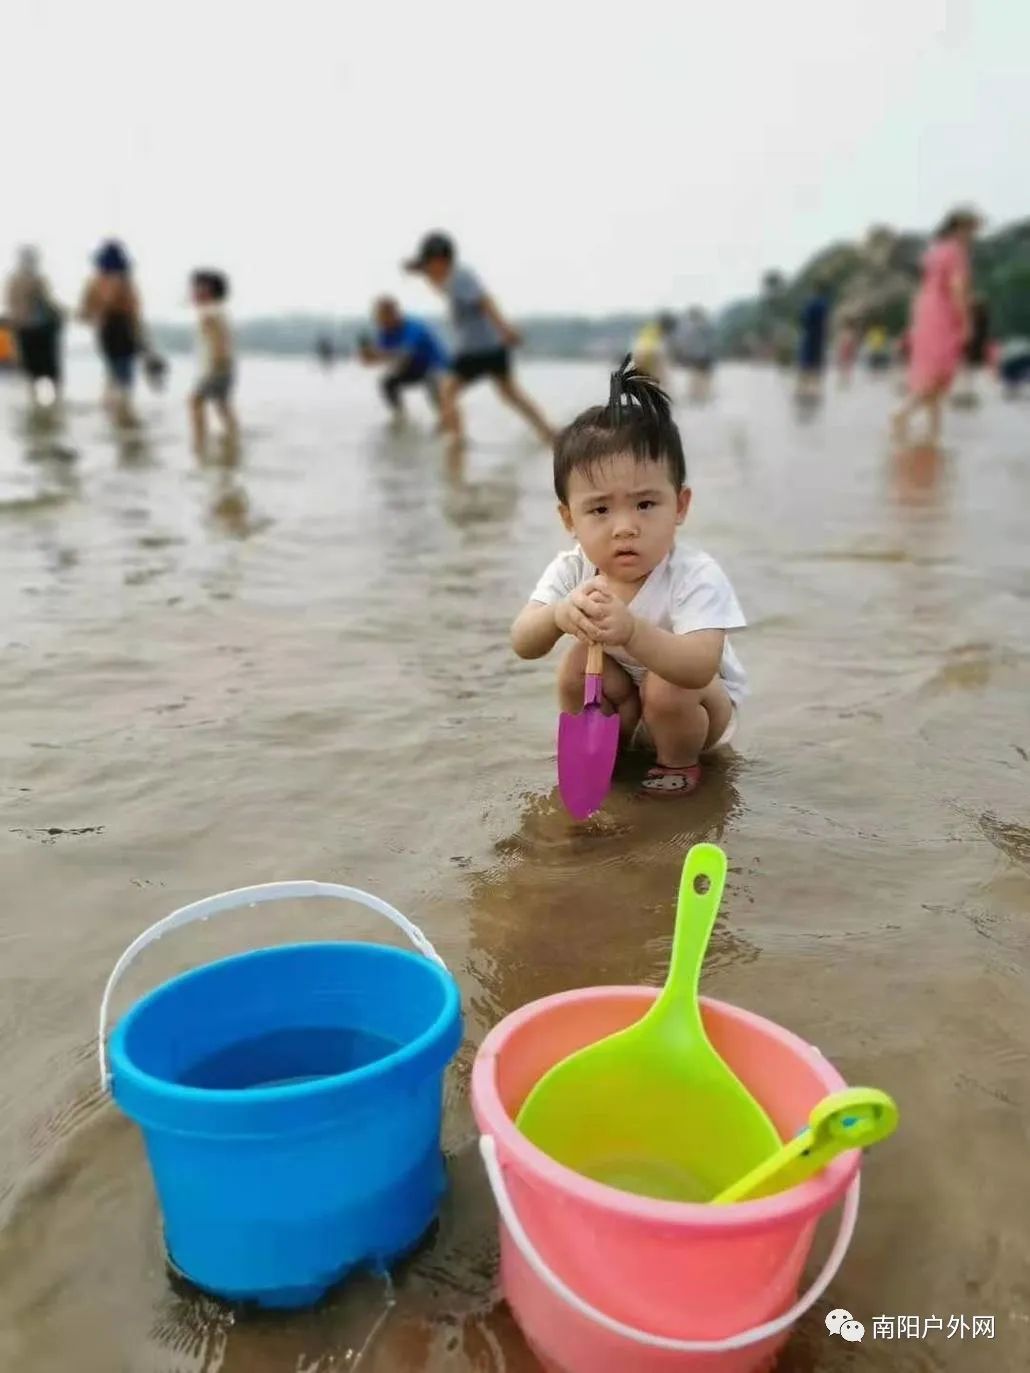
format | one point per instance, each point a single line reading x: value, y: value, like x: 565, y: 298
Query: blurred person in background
x: 941, y: 322
x: 975, y: 355
x: 780, y: 345
x: 483, y: 337
x: 652, y: 347
x: 813, y: 323
x: 8, y: 351
x: 217, y: 372
x: 36, y: 321
x: 111, y: 303
x: 414, y: 356
x: 876, y: 348
x: 900, y: 356
x: 1013, y: 363
x: 846, y: 350
x: 155, y: 369
x: 693, y: 347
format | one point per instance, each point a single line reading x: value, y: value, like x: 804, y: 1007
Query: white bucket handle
x: 525, y: 1246
x: 230, y: 900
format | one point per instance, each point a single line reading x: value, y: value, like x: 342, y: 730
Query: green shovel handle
x: 697, y: 907
x: 852, y: 1119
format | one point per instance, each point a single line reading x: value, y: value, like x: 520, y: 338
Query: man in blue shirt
x: 412, y: 352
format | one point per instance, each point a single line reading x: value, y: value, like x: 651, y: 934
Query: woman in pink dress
x: 940, y: 321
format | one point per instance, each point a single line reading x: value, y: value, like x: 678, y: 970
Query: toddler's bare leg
x: 684, y: 723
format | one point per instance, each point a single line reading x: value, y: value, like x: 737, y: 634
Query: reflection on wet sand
x: 410, y: 468
x: 579, y: 905
x: 808, y: 406
x: 490, y: 500
x: 42, y: 430
x: 219, y: 450
x: 230, y: 507
x: 918, y: 473
x: 133, y: 443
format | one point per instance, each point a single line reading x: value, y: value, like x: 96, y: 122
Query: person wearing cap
x: 483, y: 337
x: 941, y: 321
x: 414, y: 357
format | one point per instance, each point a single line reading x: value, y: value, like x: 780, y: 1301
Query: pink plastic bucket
x: 602, y: 1281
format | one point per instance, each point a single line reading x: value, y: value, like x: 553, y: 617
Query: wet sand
x: 213, y: 677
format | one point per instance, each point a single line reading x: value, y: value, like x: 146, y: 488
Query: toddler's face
x: 624, y: 512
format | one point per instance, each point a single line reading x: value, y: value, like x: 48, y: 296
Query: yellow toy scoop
x: 653, y: 1109
x: 852, y: 1119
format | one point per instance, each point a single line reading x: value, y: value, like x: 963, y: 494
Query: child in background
x: 483, y: 338
x: 661, y: 609
x: 650, y: 350
x: 214, y: 386
x: 694, y: 347
x: 414, y: 357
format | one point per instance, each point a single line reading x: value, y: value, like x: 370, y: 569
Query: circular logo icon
x: 836, y: 1319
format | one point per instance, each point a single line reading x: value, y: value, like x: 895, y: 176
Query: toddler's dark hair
x: 216, y: 282
x: 637, y: 419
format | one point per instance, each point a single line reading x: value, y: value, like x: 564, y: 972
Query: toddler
x: 661, y: 609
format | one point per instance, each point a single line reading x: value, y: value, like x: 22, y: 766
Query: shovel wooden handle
x: 595, y: 660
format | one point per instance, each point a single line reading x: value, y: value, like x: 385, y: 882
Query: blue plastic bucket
x: 290, y: 1102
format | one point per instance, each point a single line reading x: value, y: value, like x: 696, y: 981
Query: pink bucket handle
x: 525, y: 1246
x: 231, y: 900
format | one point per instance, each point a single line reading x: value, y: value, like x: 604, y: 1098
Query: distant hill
x: 871, y: 280
x: 549, y: 336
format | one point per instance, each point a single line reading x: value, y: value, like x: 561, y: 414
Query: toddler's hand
x: 611, y: 620
x: 571, y: 618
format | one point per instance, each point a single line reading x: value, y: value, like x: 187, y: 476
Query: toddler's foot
x: 666, y: 781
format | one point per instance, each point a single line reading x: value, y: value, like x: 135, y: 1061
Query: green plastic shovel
x: 852, y: 1119
x: 653, y: 1109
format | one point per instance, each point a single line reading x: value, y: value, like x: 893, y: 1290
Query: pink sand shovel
x: 587, y: 745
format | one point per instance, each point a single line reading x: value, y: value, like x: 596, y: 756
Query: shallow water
x: 298, y: 668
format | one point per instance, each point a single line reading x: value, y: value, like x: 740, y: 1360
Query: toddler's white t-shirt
x: 687, y: 591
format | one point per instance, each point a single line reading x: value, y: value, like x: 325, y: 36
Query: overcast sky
x: 587, y: 155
